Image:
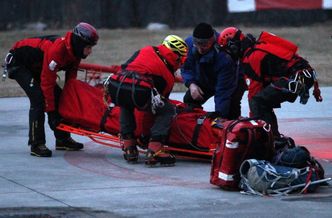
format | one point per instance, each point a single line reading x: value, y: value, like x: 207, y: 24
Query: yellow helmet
x: 176, y: 44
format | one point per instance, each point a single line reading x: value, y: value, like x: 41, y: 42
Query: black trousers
x: 36, y: 113
x: 161, y: 125
x: 262, y: 104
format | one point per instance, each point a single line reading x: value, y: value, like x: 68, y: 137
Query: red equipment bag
x: 83, y: 105
x: 191, y: 129
x: 240, y: 140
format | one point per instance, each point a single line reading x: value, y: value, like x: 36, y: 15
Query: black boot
x: 157, y: 155
x: 68, y: 144
x: 130, y: 152
x: 40, y: 151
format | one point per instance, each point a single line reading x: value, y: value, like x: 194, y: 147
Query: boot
x: 143, y: 142
x: 130, y: 152
x: 40, y: 151
x: 68, y: 144
x: 157, y: 154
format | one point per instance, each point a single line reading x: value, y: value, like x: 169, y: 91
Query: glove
x: 317, y: 93
x: 196, y: 92
x: 213, y: 115
x: 54, y: 119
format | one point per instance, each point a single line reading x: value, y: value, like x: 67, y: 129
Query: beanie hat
x: 203, y: 31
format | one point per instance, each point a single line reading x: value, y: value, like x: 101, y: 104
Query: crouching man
x: 145, y: 83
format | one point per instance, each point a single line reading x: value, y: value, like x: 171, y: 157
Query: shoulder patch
x: 52, y: 65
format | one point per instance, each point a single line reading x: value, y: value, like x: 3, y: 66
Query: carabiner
x: 306, y: 73
x: 295, y: 86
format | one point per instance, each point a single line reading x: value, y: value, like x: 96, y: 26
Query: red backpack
x: 276, y: 45
x: 240, y: 140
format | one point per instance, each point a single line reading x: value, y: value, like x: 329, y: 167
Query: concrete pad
x: 97, y: 182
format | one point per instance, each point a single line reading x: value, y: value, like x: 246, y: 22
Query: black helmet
x: 87, y: 33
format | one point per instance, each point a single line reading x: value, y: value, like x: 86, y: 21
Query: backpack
x: 298, y: 157
x: 276, y: 45
x: 240, y: 139
x: 260, y: 177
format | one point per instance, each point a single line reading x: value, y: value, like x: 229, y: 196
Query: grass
x: 116, y: 46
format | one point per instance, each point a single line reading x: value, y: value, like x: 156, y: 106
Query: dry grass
x: 115, y: 46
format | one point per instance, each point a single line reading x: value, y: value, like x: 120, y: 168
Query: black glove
x: 213, y: 115
x: 54, y: 119
x: 317, y: 93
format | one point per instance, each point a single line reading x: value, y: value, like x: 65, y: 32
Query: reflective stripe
x: 253, y: 122
x: 232, y: 145
x: 225, y: 176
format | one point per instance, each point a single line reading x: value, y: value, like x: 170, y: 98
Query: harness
x: 129, y: 77
x: 139, y: 87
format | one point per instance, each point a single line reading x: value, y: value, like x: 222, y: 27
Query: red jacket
x: 147, y: 62
x: 44, y: 57
x: 252, y: 66
x: 57, y: 57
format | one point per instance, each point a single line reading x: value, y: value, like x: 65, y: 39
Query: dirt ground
x: 116, y: 46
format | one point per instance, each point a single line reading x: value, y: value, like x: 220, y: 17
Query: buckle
x: 200, y: 120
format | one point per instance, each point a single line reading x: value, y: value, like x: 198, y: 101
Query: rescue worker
x: 34, y: 63
x: 211, y: 71
x: 275, y: 73
x: 144, y: 83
